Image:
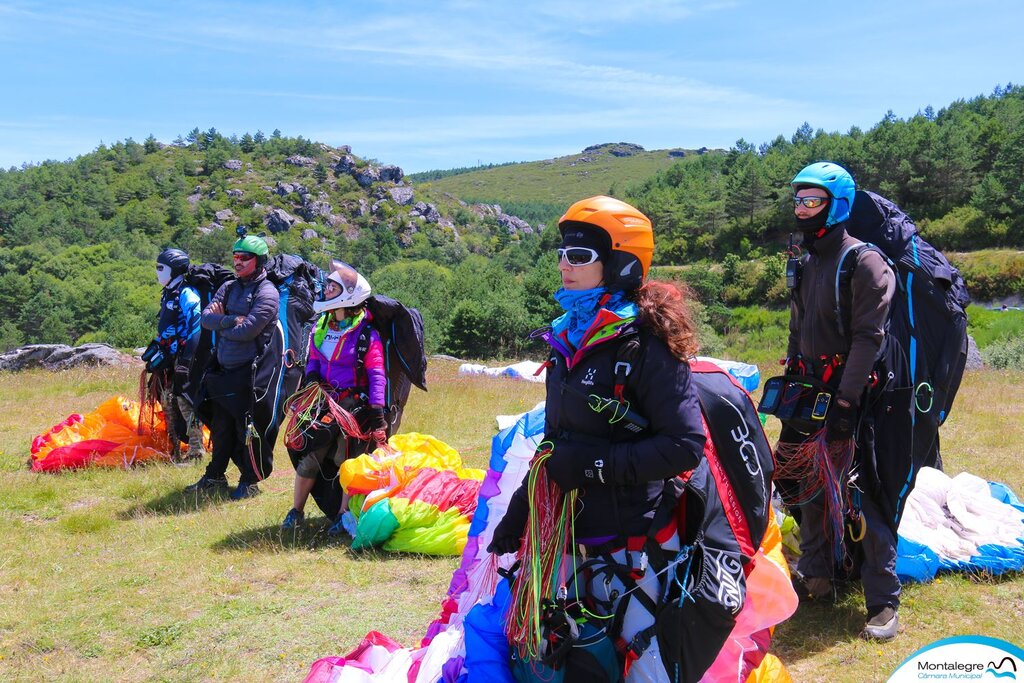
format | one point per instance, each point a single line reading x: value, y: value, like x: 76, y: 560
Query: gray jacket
x: 813, y: 325
x: 254, y: 299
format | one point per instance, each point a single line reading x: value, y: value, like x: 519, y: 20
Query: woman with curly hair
x: 623, y: 422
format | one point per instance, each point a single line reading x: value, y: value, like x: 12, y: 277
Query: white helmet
x: 354, y: 288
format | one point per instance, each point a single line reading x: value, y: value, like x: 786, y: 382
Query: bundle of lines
x: 311, y: 405
x: 543, y: 565
x: 823, y: 469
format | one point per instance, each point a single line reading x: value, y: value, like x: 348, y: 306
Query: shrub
x: 1006, y: 353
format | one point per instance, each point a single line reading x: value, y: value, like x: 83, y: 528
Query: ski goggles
x: 809, y: 202
x: 243, y: 256
x: 577, y: 256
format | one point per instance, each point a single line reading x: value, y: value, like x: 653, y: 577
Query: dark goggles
x: 577, y: 256
x: 809, y: 202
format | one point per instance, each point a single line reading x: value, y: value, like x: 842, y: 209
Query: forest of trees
x: 78, y: 238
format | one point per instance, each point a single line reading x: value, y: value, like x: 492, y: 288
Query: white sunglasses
x: 577, y: 256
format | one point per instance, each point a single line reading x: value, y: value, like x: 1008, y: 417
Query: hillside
x: 78, y: 238
x: 546, y: 188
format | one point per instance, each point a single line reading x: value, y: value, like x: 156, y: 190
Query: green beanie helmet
x: 252, y: 245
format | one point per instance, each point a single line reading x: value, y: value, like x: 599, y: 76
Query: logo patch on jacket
x: 588, y: 378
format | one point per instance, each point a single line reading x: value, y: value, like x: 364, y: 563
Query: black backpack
x: 928, y: 314
x: 405, y: 359
x: 925, y: 351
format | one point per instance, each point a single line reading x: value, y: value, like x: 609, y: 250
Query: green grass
x: 107, y: 575
x: 559, y: 181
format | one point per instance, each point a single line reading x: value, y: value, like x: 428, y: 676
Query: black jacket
x: 659, y: 388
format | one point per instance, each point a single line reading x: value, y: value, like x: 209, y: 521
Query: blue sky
x: 454, y: 83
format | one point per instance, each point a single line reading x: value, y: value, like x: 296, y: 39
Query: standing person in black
x: 621, y: 477
x: 243, y: 316
x: 823, y: 198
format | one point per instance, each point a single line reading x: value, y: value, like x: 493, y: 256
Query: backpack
x: 401, y: 333
x: 299, y: 283
x: 924, y: 354
x: 928, y: 315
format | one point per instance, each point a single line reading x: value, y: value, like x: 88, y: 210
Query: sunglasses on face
x: 244, y: 256
x: 809, y: 202
x: 577, y: 256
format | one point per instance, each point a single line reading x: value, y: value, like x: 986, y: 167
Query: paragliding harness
x: 579, y: 632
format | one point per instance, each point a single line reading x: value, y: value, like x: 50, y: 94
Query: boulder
x: 402, y: 196
x: 225, y: 215
x: 299, y: 160
x: 974, y: 361
x: 313, y: 209
x: 193, y: 199
x: 310, y: 234
x: 278, y: 220
x: 514, y: 224
x: 63, y: 357
x: 236, y: 194
x: 391, y: 174
x: 233, y: 165
x: 345, y: 165
x: 367, y: 176
x: 363, y: 208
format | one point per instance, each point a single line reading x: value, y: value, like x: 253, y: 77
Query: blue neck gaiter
x: 581, y: 307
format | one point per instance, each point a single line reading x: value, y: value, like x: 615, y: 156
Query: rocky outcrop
x: 225, y: 215
x: 233, y: 165
x: 285, y: 189
x: 402, y: 196
x: 299, y: 160
x: 236, y: 194
x: 616, y: 149
x: 63, y: 357
x: 427, y: 212
x: 279, y: 220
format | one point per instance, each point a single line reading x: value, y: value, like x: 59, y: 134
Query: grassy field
x: 117, y: 576
x: 559, y: 181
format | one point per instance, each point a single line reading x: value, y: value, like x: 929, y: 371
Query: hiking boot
x: 882, y: 624
x: 245, y: 490
x: 208, y: 485
x: 293, y: 519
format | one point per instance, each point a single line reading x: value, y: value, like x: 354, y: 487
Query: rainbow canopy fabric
x: 417, y: 499
x: 110, y: 436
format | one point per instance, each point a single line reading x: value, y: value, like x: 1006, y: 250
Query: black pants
x: 227, y: 407
x: 228, y: 436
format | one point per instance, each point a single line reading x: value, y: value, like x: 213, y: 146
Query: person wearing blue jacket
x: 174, y: 349
x: 237, y: 388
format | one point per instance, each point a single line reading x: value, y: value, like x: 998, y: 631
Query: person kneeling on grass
x: 339, y: 411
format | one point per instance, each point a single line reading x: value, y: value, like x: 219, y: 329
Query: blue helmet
x: 835, y: 180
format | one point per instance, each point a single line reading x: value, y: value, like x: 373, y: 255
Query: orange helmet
x: 630, y: 232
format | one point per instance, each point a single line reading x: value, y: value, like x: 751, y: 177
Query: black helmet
x: 175, y: 259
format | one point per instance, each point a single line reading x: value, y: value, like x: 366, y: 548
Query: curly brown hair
x: 663, y: 309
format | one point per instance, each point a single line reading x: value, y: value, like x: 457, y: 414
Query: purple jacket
x: 342, y: 369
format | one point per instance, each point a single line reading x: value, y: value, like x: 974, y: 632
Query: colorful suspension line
x: 543, y: 571
x: 823, y: 470
x: 308, y: 405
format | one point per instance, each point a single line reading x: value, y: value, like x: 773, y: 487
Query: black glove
x: 312, y: 377
x: 156, y: 357
x: 375, y: 419
x: 572, y: 464
x: 840, y: 422
x: 508, y: 535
